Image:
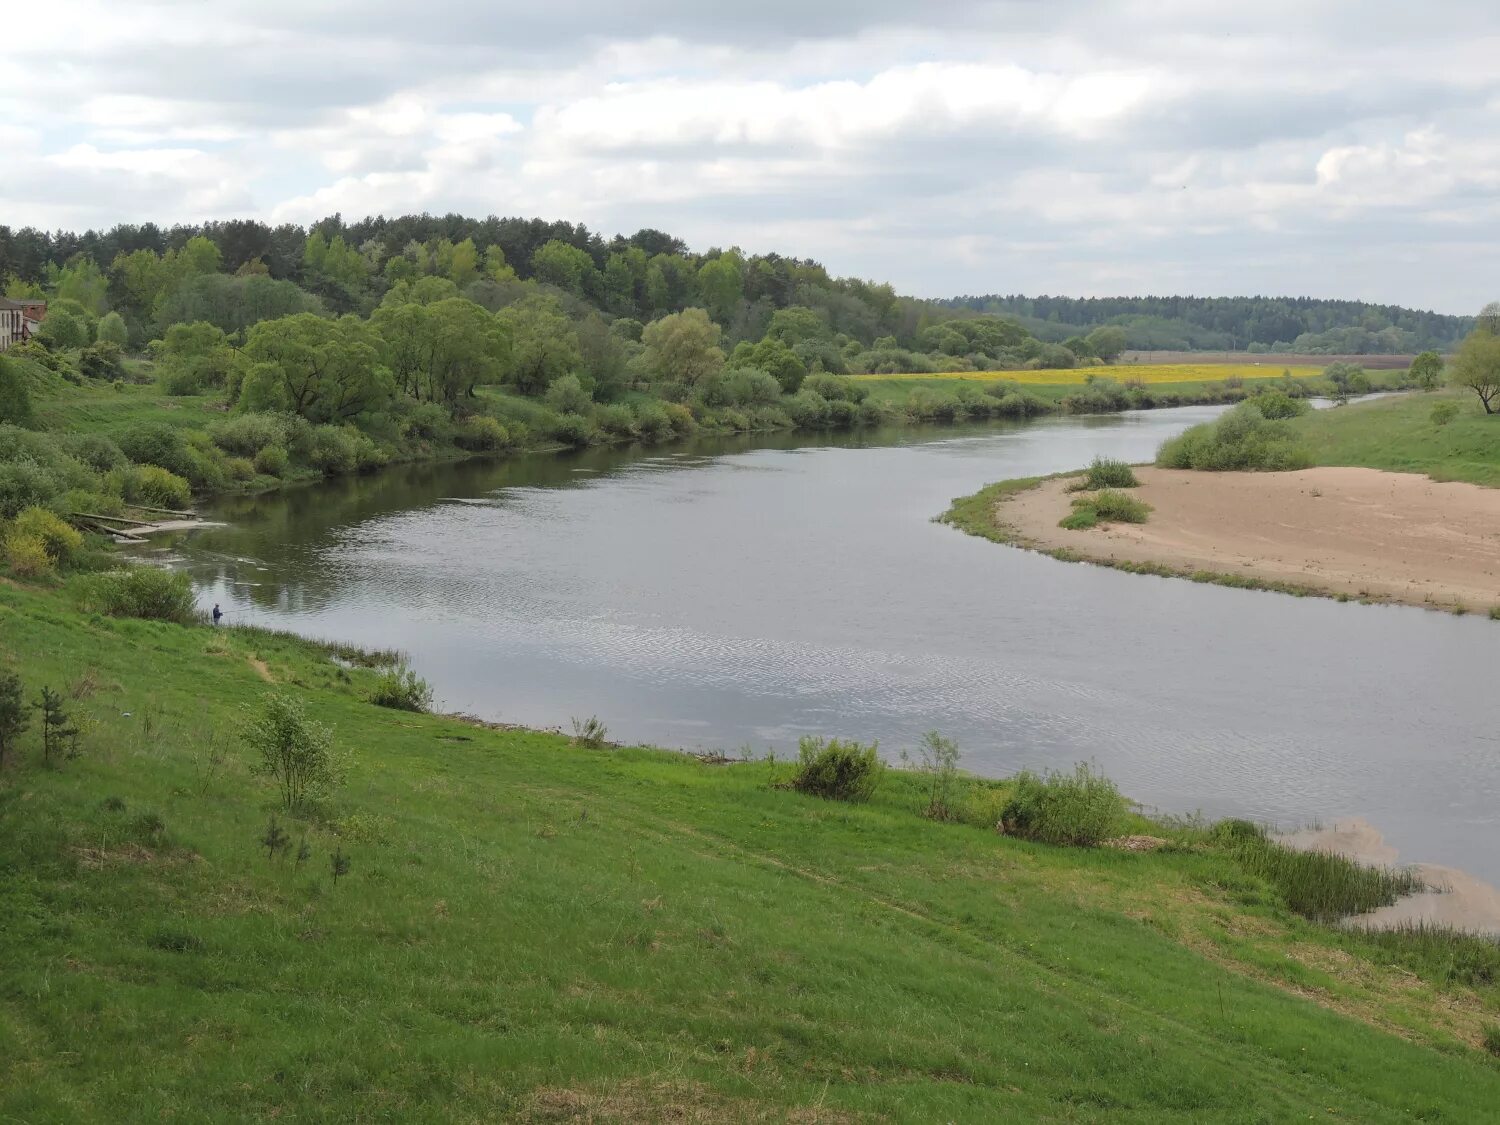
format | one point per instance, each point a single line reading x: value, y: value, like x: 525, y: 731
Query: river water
x: 740, y: 593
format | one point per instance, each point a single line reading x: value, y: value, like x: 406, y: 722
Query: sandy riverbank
x: 1458, y: 900
x: 1368, y: 534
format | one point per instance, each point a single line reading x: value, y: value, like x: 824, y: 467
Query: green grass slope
x: 1400, y: 435
x: 535, y: 931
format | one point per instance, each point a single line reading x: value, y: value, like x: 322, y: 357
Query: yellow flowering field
x: 1146, y: 372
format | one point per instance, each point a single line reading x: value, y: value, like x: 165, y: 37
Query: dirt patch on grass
x: 1357, y: 532
x: 261, y: 669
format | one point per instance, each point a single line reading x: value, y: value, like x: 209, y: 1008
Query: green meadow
x: 530, y: 929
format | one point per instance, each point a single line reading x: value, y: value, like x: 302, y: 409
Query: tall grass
x: 1442, y: 954
x: 1318, y: 885
x: 1107, y: 473
x: 1107, y: 506
x: 1082, y: 808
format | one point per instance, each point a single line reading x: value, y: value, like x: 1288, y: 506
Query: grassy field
x: 1150, y: 374
x: 1400, y: 435
x: 531, y: 930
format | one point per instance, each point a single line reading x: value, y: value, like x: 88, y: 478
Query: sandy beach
x: 1398, y: 537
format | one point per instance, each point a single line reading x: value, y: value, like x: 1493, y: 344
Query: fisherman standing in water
x: 218, y: 613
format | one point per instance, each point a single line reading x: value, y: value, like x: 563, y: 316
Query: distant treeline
x: 1257, y: 324
x: 155, y: 276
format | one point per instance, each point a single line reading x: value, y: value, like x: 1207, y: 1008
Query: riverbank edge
x: 978, y: 514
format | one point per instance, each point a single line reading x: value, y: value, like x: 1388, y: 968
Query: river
x: 742, y: 592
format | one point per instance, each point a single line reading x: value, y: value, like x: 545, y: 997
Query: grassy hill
x: 539, y: 931
x: 1446, y: 435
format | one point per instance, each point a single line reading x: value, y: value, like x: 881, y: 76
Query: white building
x: 19, y: 320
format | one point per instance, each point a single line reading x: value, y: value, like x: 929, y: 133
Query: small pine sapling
x: 274, y: 839
x: 338, y: 863
x: 56, y: 730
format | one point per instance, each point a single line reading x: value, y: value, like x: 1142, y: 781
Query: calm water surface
x: 745, y: 593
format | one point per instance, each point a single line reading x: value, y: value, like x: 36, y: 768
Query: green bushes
x: 272, y: 460
x: 1105, y: 473
x: 402, y: 689
x: 1443, y: 413
x: 1107, y: 506
x: 15, y: 395
x: 26, y: 555
x: 151, y: 484
x: 1082, y: 808
x: 247, y: 434
x: 837, y: 770
x: 59, y: 539
x: 1243, y: 439
x: 140, y: 591
x: 334, y: 450
x: 156, y: 443
x: 481, y: 434
x: 1278, y: 405
x: 294, y: 750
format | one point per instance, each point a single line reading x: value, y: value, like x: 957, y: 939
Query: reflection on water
x: 748, y: 591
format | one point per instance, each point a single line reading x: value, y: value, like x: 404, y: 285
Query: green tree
x: 194, y: 356
x: 441, y: 351
x: 1476, y: 365
x: 544, y: 346
x: 13, y: 711
x: 565, y: 266
x: 721, y: 285
x: 112, y: 330
x: 775, y: 358
x: 83, y: 281
x: 682, y: 347
x: 1427, y: 370
x: 495, y: 266
x: 324, y: 370
x: 1108, y: 342
x: 15, y: 396
x: 66, y: 326
x: 293, y: 749
x: 796, y: 323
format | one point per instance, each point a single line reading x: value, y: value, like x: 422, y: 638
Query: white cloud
x: 949, y: 147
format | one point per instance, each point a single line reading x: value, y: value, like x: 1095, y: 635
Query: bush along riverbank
x: 1300, y: 511
x: 212, y: 418
x: 256, y: 862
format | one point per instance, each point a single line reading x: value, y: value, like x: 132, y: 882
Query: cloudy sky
x: 1339, y: 148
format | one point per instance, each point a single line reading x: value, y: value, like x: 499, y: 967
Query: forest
x: 235, y: 273
x: 1255, y: 325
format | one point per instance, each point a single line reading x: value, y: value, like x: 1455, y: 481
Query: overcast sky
x: 1322, y: 147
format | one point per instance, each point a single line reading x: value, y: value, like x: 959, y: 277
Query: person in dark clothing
x: 218, y: 613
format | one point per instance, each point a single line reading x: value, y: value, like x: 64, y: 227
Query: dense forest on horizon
x: 339, y: 267
x: 1253, y: 324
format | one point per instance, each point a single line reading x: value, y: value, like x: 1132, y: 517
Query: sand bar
x: 1457, y: 899
x: 1398, y: 537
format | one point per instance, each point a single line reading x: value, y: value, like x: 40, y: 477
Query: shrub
x: 247, y: 434
x: 151, y: 484
x: 101, y: 361
x: 481, y: 434
x: 1107, y: 506
x: 27, y: 555
x: 95, y: 450
x: 572, y: 430
x: 156, y: 443
x: 1104, y: 473
x: 1443, y: 413
x: 1491, y: 1038
x: 567, y: 395
x: 837, y: 770
x: 653, y: 422
x: 58, y: 537
x: 402, y: 689
x: 1242, y: 439
x: 1082, y: 808
x: 140, y: 591
x: 616, y: 420
x: 294, y: 750
x: 590, y: 732
x: 429, y: 422
x: 13, y: 712
x: 808, y: 409
x: 240, y: 469
x: 1277, y: 405
x: 25, y: 484
x: 937, y: 759
x: 15, y: 395
x: 272, y: 460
